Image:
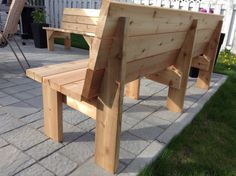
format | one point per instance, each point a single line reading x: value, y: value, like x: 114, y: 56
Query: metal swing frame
x: 10, y: 29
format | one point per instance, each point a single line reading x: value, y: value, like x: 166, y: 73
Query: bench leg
x: 52, y: 107
x: 132, y: 89
x: 204, y: 77
x: 50, y: 40
x: 67, y: 42
x: 109, y: 104
x: 175, y: 100
x: 108, y: 127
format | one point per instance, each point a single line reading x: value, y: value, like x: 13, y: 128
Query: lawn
x: 208, y: 145
x: 77, y: 41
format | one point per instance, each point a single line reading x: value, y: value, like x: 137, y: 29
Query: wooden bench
x: 130, y: 42
x: 74, y: 20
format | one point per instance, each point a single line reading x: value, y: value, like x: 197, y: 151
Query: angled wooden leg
x: 50, y: 40
x: 109, y: 107
x: 175, y: 100
x: 52, y: 108
x: 67, y: 42
x: 204, y: 77
x: 132, y: 89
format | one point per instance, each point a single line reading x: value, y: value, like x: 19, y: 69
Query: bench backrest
x: 80, y: 20
x: 151, y: 41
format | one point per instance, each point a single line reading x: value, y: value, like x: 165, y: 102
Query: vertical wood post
x: 204, y: 77
x: 67, y: 41
x: 110, y: 100
x: 52, y: 108
x: 50, y: 40
x: 132, y: 89
x: 175, y: 100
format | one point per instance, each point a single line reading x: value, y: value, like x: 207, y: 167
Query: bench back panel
x: 81, y: 20
x: 154, y: 38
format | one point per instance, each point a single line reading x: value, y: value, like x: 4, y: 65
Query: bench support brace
x: 170, y: 77
x: 132, y: 89
x: 201, y: 62
x: 175, y: 100
x: 204, y: 77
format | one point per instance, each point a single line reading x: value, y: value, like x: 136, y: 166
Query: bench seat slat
x: 61, y: 79
x: 73, y: 90
x: 38, y: 74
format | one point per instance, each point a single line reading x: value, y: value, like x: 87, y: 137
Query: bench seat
x: 39, y: 73
x: 67, y: 78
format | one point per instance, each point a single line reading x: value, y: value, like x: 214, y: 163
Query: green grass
x: 208, y: 145
x: 77, y: 41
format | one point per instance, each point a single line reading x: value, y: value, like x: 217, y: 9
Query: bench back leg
x: 204, y: 77
x: 132, y: 89
x: 67, y: 42
x: 52, y: 107
x: 50, y: 40
x: 175, y: 98
x: 109, y: 107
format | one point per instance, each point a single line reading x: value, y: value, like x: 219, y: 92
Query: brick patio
x: 147, y: 125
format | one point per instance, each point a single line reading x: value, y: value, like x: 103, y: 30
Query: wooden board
x: 37, y: 74
x: 81, y: 12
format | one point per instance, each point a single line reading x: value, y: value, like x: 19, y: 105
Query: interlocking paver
x: 71, y: 133
x: 165, y: 114
x: 87, y: 125
x: 19, y: 109
x: 156, y: 101
x: 80, y: 150
x: 139, y: 112
x: 17, y: 88
x: 35, y: 92
x: 4, y: 101
x: 73, y: 117
x: 2, y: 94
x: 144, y: 158
x: 13, y: 160
x: 36, y: 102
x: 43, y: 149
x: 3, y: 143
x: 125, y: 156
x: 147, y: 131
x: 8, y: 123
x: 155, y: 120
x: 91, y: 169
x: 128, y: 102
x: 37, y: 124
x: 195, y: 92
x: 5, y: 85
x: 132, y: 143
x: 35, y: 170
x: 58, y: 164
x: 3, y: 81
x: 130, y: 121
x: 24, y: 137
x: 23, y: 95
x: 33, y: 117
x: 20, y: 80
